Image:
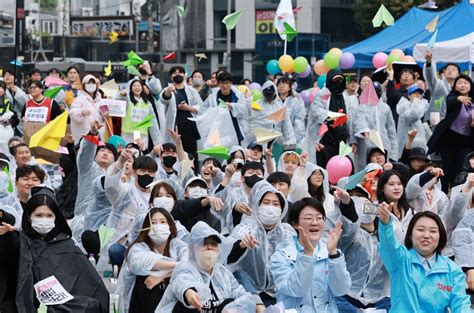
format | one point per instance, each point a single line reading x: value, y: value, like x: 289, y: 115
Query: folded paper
x: 231, y: 20
x: 264, y: 136
x: 383, y: 16
x: 49, y: 137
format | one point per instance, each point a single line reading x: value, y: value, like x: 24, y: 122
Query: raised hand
x: 384, y: 212
x: 305, y: 242
x: 342, y: 195
x: 333, y: 238
x: 248, y: 242
x: 193, y: 299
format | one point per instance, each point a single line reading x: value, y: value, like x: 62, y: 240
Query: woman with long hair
x: 149, y: 262
x: 139, y: 106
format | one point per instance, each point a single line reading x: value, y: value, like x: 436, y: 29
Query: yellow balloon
x: 397, y: 52
x: 336, y: 51
x: 242, y: 88
x: 285, y: 62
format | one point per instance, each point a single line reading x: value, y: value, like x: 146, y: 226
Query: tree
x: 48, y: 5
x: 365, y: 11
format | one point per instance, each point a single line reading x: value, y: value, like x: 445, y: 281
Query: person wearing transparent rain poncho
x: 257, y: 238
x: 204, y: 284
x: 149, y: 261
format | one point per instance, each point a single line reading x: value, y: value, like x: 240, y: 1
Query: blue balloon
x: 272, y: 67
x: 321, y: 81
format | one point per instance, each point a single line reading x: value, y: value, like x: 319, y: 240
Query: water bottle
x: 92, y: 260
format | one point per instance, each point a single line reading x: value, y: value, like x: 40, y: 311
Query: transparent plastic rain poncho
x: 255, y: 261
x: 374, y: 117
x: 189, y: 275
x: 410, y: 114
x: 140, y: 262
x: 100, y: 209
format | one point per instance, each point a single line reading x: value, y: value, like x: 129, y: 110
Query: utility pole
x: 66, y: 17
x: 228, y: 61
x: 160, y: 16
x: 150, y: 25
x: 178, y: 48
x: 195, y: 31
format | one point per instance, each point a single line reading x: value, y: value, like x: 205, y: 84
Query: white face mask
x: 166, y: 203
x: 42, y: 225
x: 159, y: 233
x: 269, y: 215
x: 90, y: 88
x: 197, y: 192
x: 198, y: 82
x: 207, y: 259
x: 235, y: 179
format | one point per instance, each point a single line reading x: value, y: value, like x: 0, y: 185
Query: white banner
x: 49, y: 291
x: 117, y: 108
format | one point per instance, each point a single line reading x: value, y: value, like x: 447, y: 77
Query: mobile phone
x: 104, y: 109
x: 136, y: 135
x: 370, y: 208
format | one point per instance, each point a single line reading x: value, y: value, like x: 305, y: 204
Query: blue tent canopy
x: 409, y: 30
x: 143, y: 27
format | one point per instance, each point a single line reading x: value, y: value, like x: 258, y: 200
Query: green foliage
x: 365, y: 11
x: 48, y: 5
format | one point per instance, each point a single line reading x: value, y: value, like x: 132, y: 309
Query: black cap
x: 418, y: 153
x: 252, y: 145
x: 109, y: 147
x: 215, y: 237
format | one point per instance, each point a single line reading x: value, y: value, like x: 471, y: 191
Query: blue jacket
x: 412, y: 290
x: 308, y: 283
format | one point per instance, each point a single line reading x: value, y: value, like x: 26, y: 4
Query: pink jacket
x: 81, y: 124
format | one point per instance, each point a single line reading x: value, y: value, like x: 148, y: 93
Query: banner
x: 117, y: 108
x: 264, y: 22
x: 101, y: 27
x: 49, y: 291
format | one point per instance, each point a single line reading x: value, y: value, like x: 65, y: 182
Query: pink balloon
x: 379, y: 59
x: 306, y: 72
x: 255, y: 85
x: 338, y: 168
x: 346, y: 61
x: 312, y: 95
x: 305, y: 95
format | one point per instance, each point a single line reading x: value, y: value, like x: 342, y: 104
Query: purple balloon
x: 306, y: 72
x: 255, y: 85
x: 305, y: 95
x: 346, y: 61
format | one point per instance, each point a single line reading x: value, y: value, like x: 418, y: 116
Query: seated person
x: 149, y: 262
x: 308, y: 272
x: 250, y: 260
x: 46, y: 249
x: 204, y: 284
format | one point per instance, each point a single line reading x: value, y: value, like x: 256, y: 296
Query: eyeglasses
x: 309, y: 219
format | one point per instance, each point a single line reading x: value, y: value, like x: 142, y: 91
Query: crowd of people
x: 132, y: 217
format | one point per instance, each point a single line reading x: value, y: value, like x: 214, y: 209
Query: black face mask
x: 169, y: 160
x: 269, y: 94
x: 178, y: 79
x: 144, y: 180
x: 252, y: 180
x: 337, y: 86
x: 142, y: 71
